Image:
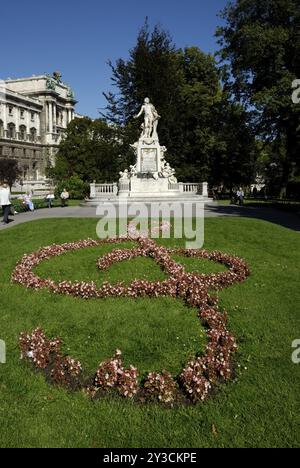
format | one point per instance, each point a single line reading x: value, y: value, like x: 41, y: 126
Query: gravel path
x: 288, y: 220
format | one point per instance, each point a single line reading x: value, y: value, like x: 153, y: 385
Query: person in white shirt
x: 50, y: 197
x: 5, y: 202
x: 64, y: 196
x: 240, y: 195
x: 28, y: 202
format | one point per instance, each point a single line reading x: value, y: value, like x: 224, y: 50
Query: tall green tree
x: 152, y: 70
x: 90, y: 150
x: 199, y: 95
x: 185, y: 87
x: 233, y: 161
x: 260, y: 48
x: 9, y: 171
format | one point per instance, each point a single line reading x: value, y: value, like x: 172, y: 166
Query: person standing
x: 241, y: 196
x: 64, y: 196
x: 234, y: 197
x: 5, y: 202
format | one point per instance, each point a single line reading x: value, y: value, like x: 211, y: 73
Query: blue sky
x: 78, y: 38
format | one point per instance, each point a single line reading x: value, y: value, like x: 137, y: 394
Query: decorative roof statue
x: 57, y: 76
x: 50, y: 83
x: 70, y: 93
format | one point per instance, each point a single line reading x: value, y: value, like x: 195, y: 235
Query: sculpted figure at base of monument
x: 124, y: 176
x: 133, y: 171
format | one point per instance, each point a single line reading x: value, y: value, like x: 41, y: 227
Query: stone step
x: 146, y: 200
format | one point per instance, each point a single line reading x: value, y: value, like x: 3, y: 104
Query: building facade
x: 34, y: 114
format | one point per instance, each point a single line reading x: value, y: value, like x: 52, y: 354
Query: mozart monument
x: 151, y: 177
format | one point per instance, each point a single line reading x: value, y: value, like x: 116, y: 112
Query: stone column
x: 116, y: 189
x: 38, y: 124
x: 54, y: 116
x: 4, y: 120
x: 17, y: 122
x: 50, y: 118
x: 65, y: 121
x: 205, y: 189
x: 93, y: 190
x: 27, y: 124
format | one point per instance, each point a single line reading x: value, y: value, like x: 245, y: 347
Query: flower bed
x: 200, y: 376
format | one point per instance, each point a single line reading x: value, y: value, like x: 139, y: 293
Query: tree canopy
x: 260, y: 49
x: 9, y: 171
x: 90, y: 150
x: 186, y: 89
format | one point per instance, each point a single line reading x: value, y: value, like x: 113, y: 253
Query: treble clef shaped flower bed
x: 200, y: 376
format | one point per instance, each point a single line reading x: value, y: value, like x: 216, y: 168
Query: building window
x: 10, y: 110
x: 32, y: 115
x: 25, y: 171
x: 33, y: 134
x: 11, y: 131
x: 22, y: 114
x: 22, y: 132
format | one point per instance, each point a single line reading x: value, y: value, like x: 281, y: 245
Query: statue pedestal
x: 151, y: 176
x: 149, y: 156
x: 148, y: 187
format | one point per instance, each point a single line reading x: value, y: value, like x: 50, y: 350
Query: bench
x: 20, y: 207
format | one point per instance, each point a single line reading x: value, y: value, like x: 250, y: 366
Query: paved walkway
x: 288, y: 220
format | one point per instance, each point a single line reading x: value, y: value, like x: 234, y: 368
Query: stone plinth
x: 149, y: 156
x: 148, y: 187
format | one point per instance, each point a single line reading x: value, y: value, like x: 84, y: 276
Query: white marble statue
x: 124, y: 176
x: 133, y: 171
x: 173, y: 180
x: 168, y: 173
x: 149, y: 127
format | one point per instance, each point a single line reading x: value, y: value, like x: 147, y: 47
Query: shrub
x: 77, y: 189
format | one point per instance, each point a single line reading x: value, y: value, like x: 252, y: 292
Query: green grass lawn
x: 260, y: 408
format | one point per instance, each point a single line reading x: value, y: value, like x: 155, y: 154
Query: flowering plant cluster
x: 66, y: 371
x: 161, y: 387
x: 37, y: 348
x: 46, y: 355
x: 201, y: 374
x: 157, y: 228
x: 111, y: 374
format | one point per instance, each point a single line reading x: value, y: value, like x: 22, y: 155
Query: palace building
x: 34, y: 114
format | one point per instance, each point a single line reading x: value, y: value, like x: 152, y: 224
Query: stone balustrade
x: 174, y: 186
x: 192, y: 188
x: 103, y: 190
x: 18, y: 136
x: 113, y: 189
